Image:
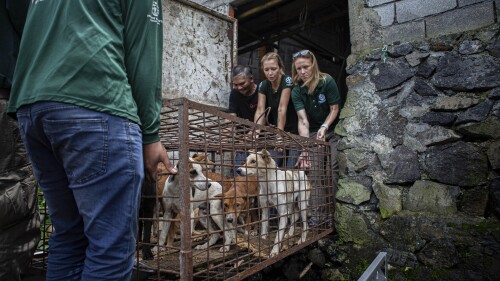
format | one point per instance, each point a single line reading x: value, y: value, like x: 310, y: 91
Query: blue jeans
x: 90, y: 168
x: 239, y: 160
x: 290, y: 155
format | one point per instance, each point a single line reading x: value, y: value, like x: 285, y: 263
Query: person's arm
x: 143, y: 48
x: 303, y: 162
x: 333, y: 99
x: 283, y: 106
x: 334, y: 112
x: 261, y: 107
x: 303, y: 123
x: 232, y: 109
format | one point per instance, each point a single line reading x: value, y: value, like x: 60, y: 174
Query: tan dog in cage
x: 239, y: 195
x: 288, y: 190
x: 238, y: 202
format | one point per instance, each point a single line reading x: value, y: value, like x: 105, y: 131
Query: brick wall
x: 390, y: 21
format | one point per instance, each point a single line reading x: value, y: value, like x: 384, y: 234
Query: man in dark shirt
x: 19, y: 220
x: 243, y: 100
x: 244, y: 96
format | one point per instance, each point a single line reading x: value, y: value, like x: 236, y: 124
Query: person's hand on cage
x: 304, y: 161
x: 322, y: 133
x: 279, y: 144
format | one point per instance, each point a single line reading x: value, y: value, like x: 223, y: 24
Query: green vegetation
x: 361, y: 266
x: 484, y: 227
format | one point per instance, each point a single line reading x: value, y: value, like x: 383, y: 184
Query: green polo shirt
x: 317, y: 105
x: 104, y: 55
x: 273, y: 101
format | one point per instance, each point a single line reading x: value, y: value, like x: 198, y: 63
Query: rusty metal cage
x: 189, y: 128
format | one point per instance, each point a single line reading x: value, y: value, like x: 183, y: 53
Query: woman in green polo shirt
x: 274, y: 92
x: 316, y: 99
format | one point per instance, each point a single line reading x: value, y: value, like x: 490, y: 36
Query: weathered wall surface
x: 382, y: 22
x: 420, y: 150
x: 197, y: 56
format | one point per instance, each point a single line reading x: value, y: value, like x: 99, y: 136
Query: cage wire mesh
x: 220, y: 203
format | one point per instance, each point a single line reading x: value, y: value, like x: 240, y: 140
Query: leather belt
x: 4, y: 93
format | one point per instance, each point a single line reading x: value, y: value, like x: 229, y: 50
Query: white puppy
x: 202, y: 189
x: 170, y: 200
x: 289, y: 191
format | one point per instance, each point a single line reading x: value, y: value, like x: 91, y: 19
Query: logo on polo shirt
x: 155, y: 11
x: 321, y: 98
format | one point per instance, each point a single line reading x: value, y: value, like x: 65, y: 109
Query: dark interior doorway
x: 287, y: 26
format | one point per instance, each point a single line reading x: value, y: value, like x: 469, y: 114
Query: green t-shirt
x: 273, y: 101
x: 317, y: 105
x: 105, y: 55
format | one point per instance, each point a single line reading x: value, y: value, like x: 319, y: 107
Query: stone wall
x: 420, y: 151
x: 384, y: 22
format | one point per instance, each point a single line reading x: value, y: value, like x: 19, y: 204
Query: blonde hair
x: 273, y: 56
x: 316, y: 75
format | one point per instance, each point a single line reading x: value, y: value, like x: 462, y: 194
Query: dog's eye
x: 253, y: 161
x: 193, y: 173
x: 237, y: 205
x: 226, y: 206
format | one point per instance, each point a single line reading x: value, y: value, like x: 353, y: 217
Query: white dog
x: 289, y: 191
x: 202, y: 189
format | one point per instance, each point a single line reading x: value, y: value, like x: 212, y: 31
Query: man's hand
x: 303, y: 162
x: 321, y: 134
x: 154, y: 153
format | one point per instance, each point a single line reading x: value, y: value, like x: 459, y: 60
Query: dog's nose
x: 238, y: 171
x: 229, y: 220
x: 209, y: 184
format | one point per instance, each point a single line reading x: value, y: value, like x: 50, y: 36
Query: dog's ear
x: 203, y: 160
x: 199, y: 157
x: 266, y: 156
x: 252, y: 151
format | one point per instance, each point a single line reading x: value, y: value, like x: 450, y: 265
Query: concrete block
x: 407, y: 10
x: 386, y: 13
x: 372, y: 3
x: 197, y: 55
x: 459, y: 20
x: 406, y: 32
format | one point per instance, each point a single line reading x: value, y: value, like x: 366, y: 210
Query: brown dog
x: 239, y: 194
x: 239, y: 200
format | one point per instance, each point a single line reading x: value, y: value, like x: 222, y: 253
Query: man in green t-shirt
x: 87, y: 95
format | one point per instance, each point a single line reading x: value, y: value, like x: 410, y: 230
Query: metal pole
x: 186, y: 254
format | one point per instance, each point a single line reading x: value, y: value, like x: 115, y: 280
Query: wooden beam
x: 296, y: 29
x: 261, y: 8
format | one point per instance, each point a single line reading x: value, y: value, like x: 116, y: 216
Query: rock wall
x: 420, y: 159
